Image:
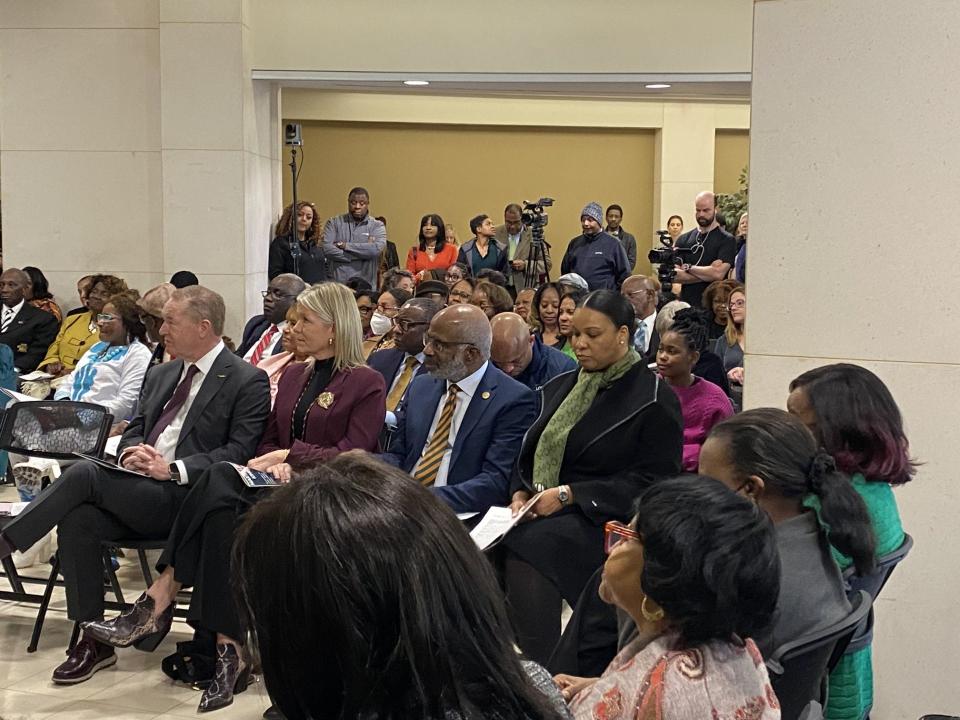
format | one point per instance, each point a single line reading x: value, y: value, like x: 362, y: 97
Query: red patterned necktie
x: 263, y: 345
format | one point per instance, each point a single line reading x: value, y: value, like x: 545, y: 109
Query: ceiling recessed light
x: 416, y: 83
x: 657, y: 86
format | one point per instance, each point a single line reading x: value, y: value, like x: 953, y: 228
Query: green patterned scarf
x: 553, y: 441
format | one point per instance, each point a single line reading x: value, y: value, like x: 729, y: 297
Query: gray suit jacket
x: 523, y: 252
x: 227, y: 417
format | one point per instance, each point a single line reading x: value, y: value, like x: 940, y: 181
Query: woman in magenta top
x: 702, y: 403
x: 432, y: 252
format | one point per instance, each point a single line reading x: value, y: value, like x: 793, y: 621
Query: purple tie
x: 173, y: 406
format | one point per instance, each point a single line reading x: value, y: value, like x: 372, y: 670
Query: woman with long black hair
x: 368, y: 599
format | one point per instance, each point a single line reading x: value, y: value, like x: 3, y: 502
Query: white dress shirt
x: 170, y: 437
x: 10, y: 312
x: 403, y: 365
x: 468, y: 388
x: 648, y: 322
x: 271, y: 347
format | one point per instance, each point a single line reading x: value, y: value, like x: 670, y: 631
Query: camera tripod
x: 535, y: 255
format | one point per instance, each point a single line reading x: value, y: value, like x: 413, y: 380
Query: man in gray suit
x: 206, y: 406
x: 516, y: 238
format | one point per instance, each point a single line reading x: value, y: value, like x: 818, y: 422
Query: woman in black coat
x: 604, y: 435
x: 304, y: 257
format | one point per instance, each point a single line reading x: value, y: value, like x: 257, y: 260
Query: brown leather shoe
x: 136, y: 626
x: 83, y: 661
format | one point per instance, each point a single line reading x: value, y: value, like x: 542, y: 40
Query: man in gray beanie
x: 596, y: 256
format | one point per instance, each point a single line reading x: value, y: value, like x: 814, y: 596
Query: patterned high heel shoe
x: 137, y: 626
x: 230, y: 677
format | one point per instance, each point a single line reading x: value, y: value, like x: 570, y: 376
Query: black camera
x: 668, y: 257
x: 533, y: 214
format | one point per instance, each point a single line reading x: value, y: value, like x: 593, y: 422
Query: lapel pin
x: 485, y: 395
x: 325, y: 400
x: 220, y: 376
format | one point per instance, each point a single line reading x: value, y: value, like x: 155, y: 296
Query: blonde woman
x: 330, y: 404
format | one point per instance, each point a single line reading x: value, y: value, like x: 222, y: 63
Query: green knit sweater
x: 851, y: 682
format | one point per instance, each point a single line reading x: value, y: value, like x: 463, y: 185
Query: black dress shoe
x: 273, y: 713
x: 230, y: 676
x: 86, y: 657
x: 136, y: 626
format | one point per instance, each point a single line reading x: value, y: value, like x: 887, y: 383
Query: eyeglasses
x: 462, y: 296
x: 614, y: 533
x: 404, y: 325
x: 440, y: 345
x: 387, y: 310
x: 738, y: 303
x: 105, y: 317
x: 365, y: 309
x: 275, y: 293
x: 449, y: 277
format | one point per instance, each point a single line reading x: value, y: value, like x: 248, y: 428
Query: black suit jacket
x: 225, y: 421
x: 387, y: 363
x: 251, y: 335
x: 29, y: 336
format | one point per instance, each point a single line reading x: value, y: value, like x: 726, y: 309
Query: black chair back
x: 873, y: 584
x: 799, y: 669
x: 55, y: 429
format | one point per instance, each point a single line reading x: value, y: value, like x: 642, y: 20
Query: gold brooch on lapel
x: 325, y: 399
x: 22, y: 347
x: 485, y: 395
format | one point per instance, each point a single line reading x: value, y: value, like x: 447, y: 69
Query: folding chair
x: 799, y: 669
x: 54, y: 429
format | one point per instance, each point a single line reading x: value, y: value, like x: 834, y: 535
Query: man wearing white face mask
x: 382, y: 321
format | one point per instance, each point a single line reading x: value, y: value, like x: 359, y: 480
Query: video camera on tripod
x: 536, y: 219
x: 668, y: 257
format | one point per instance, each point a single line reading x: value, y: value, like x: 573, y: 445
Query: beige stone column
x: 80, y: 163
x: 219, y: 150
x: 854, y: 167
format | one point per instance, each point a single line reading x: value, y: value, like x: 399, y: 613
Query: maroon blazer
x: 352, y: 421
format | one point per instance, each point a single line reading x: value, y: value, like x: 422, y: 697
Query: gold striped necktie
x: 426, y: 472
x: 396, y: 395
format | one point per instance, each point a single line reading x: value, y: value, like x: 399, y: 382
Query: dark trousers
x: 545, y: 562
x: 90, y: 505
x: 589, y: 641
x: 200, y: 543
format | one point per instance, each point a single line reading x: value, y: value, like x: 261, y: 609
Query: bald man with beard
x: 460, y: 430
x: 712, y: 251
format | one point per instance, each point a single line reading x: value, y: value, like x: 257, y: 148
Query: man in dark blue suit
x: 460, y: 429
x: 267, y: 329
x: 403, y: 362
x: 522, y: 355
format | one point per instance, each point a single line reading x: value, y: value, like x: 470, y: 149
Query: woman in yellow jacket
x: 78, y: 333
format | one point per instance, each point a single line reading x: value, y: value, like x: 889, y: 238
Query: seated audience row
x: 460, y: 388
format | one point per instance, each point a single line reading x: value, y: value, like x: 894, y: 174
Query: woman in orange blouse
x: 433, y: 253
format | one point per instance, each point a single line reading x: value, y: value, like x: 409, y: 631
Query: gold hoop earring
x: 650, y: 616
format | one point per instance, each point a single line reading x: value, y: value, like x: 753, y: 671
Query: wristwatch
x: 174, y: 473
x: 563, y: 495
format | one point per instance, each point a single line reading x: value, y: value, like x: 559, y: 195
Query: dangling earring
x: 650, y: 616
x: 330, y: 341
